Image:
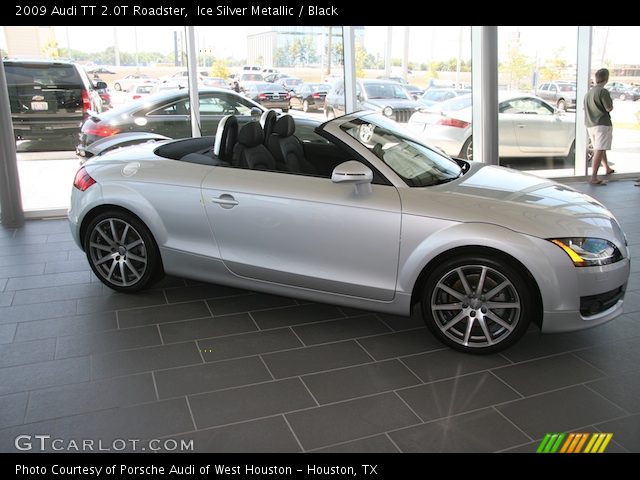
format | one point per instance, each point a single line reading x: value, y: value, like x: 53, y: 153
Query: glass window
x: 526, y: 106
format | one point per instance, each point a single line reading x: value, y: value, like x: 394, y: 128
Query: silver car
x: 359, y: 214
x: 528, y: 127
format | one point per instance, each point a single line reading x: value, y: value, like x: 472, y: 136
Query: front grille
x: 402, y: 115
x: 595, y: 304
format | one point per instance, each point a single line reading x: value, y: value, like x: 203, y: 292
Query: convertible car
x: 357, y: 213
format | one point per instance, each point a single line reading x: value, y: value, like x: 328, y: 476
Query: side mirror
x: 353, y: 172
x: 255, y: 112
x: 101, y: 85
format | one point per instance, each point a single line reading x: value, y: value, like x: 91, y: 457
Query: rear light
x: 136, y: 97
x: 99, y: 130
x: 453, y: 122
x: 315, y: 95
x: 262, y: 96
x: 83, y: 180
x: 86, y: 102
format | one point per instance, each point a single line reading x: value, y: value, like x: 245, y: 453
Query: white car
x: 528, y: 127
x: 125, y: 82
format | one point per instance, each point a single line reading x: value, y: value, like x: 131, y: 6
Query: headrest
x: 267, y: 116
x: 251, y: 134
x: 227, y: 122
x: 285, y: 126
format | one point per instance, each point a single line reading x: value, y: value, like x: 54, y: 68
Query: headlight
x: 387, y: 111
x: 589, y: 252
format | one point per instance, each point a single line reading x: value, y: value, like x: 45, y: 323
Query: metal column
x: 582, y: 87
x: 484, y: 49
x: 194, y: 101
x: 10, y: 198
x: 348, y: 39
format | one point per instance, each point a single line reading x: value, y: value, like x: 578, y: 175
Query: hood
x: 521, y: 202
x: 380, y: 103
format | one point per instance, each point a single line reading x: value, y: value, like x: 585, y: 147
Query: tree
x: 50, y: 49
x: 361, y: 55
x: 554, y: 68
x: 517, y: 67
x: 219, y: 68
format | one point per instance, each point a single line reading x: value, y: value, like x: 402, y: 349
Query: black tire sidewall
x: 502, y: 266
x: 154, y: 269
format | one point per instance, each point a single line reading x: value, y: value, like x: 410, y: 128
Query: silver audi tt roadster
x: 354, y: 212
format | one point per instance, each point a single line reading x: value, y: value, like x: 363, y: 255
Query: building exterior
x: 31, y: 41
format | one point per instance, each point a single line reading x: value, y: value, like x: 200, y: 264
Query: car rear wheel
x: 305, y: 106
x: 477, y: 304
x: 467, y: 149
x: 562, y: 105
x: 122, y: 252
x: 116, y: 86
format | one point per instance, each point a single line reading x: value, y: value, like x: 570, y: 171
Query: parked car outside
x: 528, y: 127
x: 415, y: 91
x: 126, y: 81
x: 100, y: 71
x: 166, y: 113
x: 389, y: 98
x: 560, y: 94
x: 434, y: 95
x: 309, y: 96
x: 49, y: 99
x: 289, y: 83
x: 139, y: 90
x: 366, y: 217
x: 623, y: 92
x: 269, y: 95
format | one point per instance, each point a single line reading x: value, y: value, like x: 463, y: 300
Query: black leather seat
x: 226, y: 138
x: 267, y: 121
x: 250, y: 151
x: 287, y: 149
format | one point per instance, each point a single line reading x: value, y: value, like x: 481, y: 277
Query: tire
x: 562, y: 105
x: 572, y: 153
x: 122, y: 252
x: 117, y: 87
x: 467, y: 149
x: 305, y: 106
x: 492, y: 328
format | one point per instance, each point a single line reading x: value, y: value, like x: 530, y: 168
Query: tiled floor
x: 241, y: 371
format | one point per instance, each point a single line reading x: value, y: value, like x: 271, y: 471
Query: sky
x: 426, y: 43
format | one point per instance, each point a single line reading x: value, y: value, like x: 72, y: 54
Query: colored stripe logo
x: 574, y: 443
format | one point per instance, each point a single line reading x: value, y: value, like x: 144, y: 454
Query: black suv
x: 49, y: 100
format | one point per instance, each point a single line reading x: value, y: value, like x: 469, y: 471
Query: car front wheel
x: 122, y: 252
x: 477, y: 304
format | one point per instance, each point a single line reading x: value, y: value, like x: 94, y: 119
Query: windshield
x: 455, y: 104
x: 385, y: 90
x: 416, y: 164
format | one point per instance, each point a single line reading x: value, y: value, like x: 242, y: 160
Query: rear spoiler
x: 116, y: 141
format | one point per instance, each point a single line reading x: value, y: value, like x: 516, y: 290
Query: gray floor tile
x: 12, y: 408
x: 632, y: 302
x: 37, y: 311
x: 354, y: 382
x: 118, y: 301
x: 169, y: 281
x: 450, y: 397
x: 450, y: 363
x: 80, y: 265
x: 22, y: 353
x: 533, y: 344
x: 56, y: 327
x: 340, y: 422
x: 45, y: 374
x: 248, y: 344
x: 27, y: 259
x: 6, y: 299
x: 38, y: 248
x: 201, y: 292
x: 265, y: 435
x: 50, y: 280
x: 67, y: 400
x: 399, y: 344
x: 128, y: 362
x: 481, y: 431
x: 162, y: 314
x: 546, y: 374
x: 248, y: 303
x: 626, y: 432
x: 144, y: 422
x: 6, y: 232
x: 559, y: 411
x: 22, y: 240
x: 110, y: 341
x: 614, y: 358
x: 341, y: 329
x: 207, y: 377
x: 65, y: 292
x: 398, y: 323
x: 3, y: 283
x: 59, y: 237
x: 375, y: 444
x: 623, y: 390
x: 299, y: 314
x: 315, y: 359
x: 22, y: 270
x: 207, y: 327
x: 239, y: 404
x: 7, y: 332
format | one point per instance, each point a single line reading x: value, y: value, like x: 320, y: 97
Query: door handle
x: 225, y: 201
